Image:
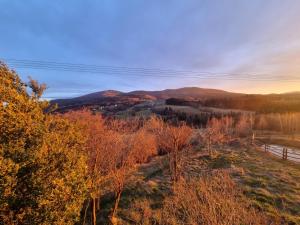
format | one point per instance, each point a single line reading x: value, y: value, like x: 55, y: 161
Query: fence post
x: 284, y: 153
x: 265, y: 147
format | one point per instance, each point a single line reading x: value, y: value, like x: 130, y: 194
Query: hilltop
x: 113, y: 97
x: 114, y: 101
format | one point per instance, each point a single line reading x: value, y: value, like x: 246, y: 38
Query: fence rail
x: 280, y: 151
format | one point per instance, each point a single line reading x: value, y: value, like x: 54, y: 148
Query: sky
x: 257, y: 42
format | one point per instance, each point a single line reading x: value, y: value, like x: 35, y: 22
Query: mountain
x: 116, y: 97
x: 102, y: 94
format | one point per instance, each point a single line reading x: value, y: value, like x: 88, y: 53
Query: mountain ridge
x: 188, y: 93
x: 116, y: 100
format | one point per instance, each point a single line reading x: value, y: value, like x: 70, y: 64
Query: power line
x: 84, y: 66
x: 142, y: 72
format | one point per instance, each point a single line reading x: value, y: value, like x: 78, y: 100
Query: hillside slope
x: 112, y: 96
x: 188, y: 96
x: 271, y: 184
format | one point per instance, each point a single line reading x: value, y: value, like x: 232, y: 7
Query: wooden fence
x: 280, y: 151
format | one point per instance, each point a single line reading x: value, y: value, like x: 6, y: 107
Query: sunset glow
x: 258, y: 41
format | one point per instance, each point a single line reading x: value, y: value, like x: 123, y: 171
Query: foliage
x: 42, y: 168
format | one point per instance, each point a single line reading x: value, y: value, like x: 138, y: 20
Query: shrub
x: 42, y: 167
x: 143, y: 146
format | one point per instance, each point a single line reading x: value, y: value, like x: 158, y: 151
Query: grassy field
x: 271, y: 184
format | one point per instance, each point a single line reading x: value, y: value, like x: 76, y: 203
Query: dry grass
x: 271, y: 184
x: 212, y: 199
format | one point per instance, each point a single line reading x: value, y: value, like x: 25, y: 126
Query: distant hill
x: 116, y: 97
x: 114, y: 101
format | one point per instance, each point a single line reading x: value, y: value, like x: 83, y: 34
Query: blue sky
x: 220, y: 36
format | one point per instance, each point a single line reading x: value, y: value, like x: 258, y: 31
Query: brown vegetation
x: 52, y: 166
x: 213, y: 199
x: 288, y: 123
x: 113, y: 147
x: 171, y: 140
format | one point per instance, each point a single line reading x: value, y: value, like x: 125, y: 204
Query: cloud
x: 219, y: 36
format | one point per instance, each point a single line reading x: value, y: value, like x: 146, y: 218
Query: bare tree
x: 143, y: 145
x: 214, y: 134
x: 170, y: 140
x: 262, y: 123
x: 113, y: 147
x: 37, y: 88
x: 244, y: 126
x: 99, y: 143
x: 131, y: 147
x: 156, y: 126
x: 175, y: 139
x: 121, y: 161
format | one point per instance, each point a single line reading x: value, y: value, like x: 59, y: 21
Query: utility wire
x: 122, y: 71
x: 142, y: 72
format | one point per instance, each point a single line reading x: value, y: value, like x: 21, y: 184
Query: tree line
x: 273, y: 103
